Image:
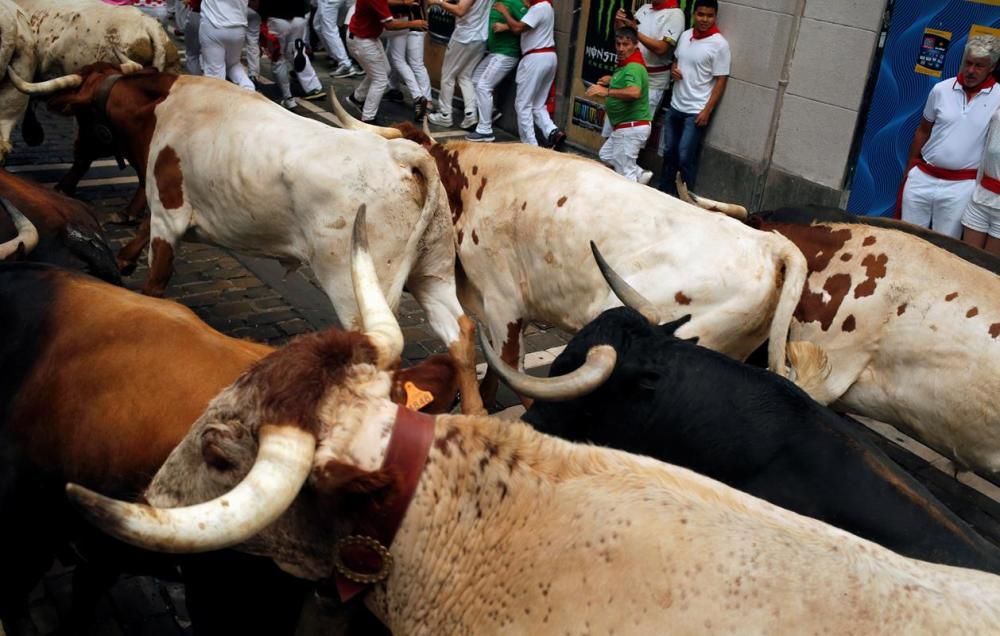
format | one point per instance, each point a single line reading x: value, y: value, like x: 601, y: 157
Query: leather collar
x: 362, y: 558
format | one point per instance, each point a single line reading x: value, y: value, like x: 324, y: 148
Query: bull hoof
x: 125, y: 268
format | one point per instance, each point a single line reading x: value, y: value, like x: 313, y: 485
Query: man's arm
x: 457, y: 9
x: 397, y: 25
x: 713, y: 100
x: 515, y: 26
x: 659, y: 47
x: 627, y: 94
x: 920, y: 137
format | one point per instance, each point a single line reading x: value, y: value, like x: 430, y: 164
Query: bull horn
x: 130, y: 66
x: 592, y: 374
x: 350, y: 122
x: 27, y: 235
x: 729, y: 209
x: 284, y: 460
x: 43, y: 88
x: 625, y: 292
x: 377, y: 318
x: 427, y: 130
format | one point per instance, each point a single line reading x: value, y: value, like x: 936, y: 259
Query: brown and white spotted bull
x: 47, y: 227
x: 502, y: 529
x: 524, y: 218
x: 204, y: 175
x: 99, y: 384
x: 896, y: 328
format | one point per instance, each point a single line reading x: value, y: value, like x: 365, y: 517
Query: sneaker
x: 557, y: 139
x: 478, y: 136
x: 299, y: 62
x: 289, y: 103
x: 357, y: 70
x: 419, y: 110
x: 442, y: 121
x: 371, y: 122
x: 358, y: 103
x: 344, y: 69
x: 316, y: 93
x: 645, y: 176
x: 469, y: 121
x: 393, y: 95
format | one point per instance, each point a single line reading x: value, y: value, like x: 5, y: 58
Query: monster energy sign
x: 599, y: 56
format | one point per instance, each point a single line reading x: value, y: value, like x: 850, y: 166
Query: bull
x: 17, y: 54
x: 901, y: 325
x: 45, y: 226
x: 278, y: 200
x: 99, y: 384
x: 686, y: 405
x: 522, y: 217
x: 479, y: 525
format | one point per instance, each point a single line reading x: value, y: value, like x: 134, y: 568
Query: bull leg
x: 137, y: 206
x: 128, y: 256
x: 509, y: 336
x: 166, y: 229
x: 445, y: 316
x: 83, y: 158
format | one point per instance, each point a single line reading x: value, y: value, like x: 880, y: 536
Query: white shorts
x: 982, y: 218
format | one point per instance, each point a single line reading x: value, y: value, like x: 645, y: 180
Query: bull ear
x: 669, y: 328
x: 431, y: 386
x: 69, y: 101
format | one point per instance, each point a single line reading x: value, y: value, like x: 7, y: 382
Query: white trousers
x: 327, y: 23
x: 487, y: 77
x: 251, y: 46
x: 534, y: 79
x: 192, y: 44
x: 935, y: 203
x: 287, y: 32
x: 415, y: 43
x: 220, y: 53
x: 371, y: 56
x: 181, y: 13
x: 397, y: 45
x: 621, y: 150
x: 460, y: 60
x: 655, y: 96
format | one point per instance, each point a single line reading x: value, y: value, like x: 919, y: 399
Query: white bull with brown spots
x: 291, y: 196
x: 898, y: 329
x: 524, y: 218
x: 506, y: 530
x: 17, y: 53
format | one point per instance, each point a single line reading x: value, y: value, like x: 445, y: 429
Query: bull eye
x: 216, y: 444
x: 216, y: 458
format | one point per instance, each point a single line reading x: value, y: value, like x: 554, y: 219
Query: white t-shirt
x: 990, y: 165
x: 959, y: 133
x: 473, y: 26
x: 700, y: 62
x: 224, y: 13
x: 665, y: 24
x: 541, y: 27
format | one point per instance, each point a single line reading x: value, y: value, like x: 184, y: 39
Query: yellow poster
x: 933, y: 47
x: 978, y: 29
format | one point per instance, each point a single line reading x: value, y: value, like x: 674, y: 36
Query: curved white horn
x: 597, y: 368
x: 41, y: 88
x: 27, y: 234
x: 729, y: 209
x: 284, y: 459
x: 376, y: 316
x: 427, y: 130
x: 350, y: 122
x: 625, y: 292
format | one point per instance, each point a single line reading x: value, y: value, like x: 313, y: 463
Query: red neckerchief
x: 987, y: 83
x: 666, y: 4
x: 635, y: 58
x: 700, y: 35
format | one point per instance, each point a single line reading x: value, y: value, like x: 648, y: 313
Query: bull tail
x: 91, y: 247
x: 794, y: 279
x: 810, y: 370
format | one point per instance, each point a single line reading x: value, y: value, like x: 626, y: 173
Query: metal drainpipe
x: 779, y: 100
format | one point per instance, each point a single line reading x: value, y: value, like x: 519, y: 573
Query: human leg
x: 689, y: 149
x: 251, y: 45
x: 306, y: 78
x: 415, y: 42
x: 213, y: 51
x: 918, y: 197
x: 370, y: 54
x: 525, y: 81
x: 327, y: 14
x: 470, y: 55
x: 449, y: 74
x: 192, y: 44
x: 396, y: 52
x: 950, y: 204
x: 539, y: 110
x: 672, y: 127
x: 488, y: 75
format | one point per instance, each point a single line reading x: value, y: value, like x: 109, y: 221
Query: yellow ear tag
x: 416, y: 398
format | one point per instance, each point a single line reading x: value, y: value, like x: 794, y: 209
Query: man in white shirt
x: 981, y: 221
x: 660, y: 24
x: 700, y: 72
x: 466, y: 47
x: 948, y: 144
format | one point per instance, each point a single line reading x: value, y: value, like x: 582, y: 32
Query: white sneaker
x: 442, y: 121
x: 469, y: 121
x: 343, y: 70
x: 289, y: 103
x: 645, y: 176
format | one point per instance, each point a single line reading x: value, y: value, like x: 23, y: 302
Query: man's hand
x: 675, y: 72
x: 502, y: 8
x: 703, y: 118
x: 597, y: 90
x: 622, y: 19
x: 418, y: 24
x: 605, y: 81
x: 500, y: 27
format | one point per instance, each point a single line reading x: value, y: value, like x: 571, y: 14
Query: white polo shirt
x: 473, y: 26
x: 224, y: 13
x: 700, y: 62
x: 959, y: 133
x: 990, y: 165
x: 541, y: 32
x: 663, y: 24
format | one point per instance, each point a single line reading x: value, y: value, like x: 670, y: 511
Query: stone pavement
x: 255, y: 298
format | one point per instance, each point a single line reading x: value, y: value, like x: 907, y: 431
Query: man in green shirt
x: 503, y: 47
x: 626, y: 107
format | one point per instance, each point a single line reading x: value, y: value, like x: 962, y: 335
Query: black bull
x: 686, y: 405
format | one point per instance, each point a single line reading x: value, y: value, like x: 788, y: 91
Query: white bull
x: 511, y: 531
x: 17, y: 51
x: 524, y: 218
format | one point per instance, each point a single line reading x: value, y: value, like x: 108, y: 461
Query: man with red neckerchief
x: 948, y: 145
x: 626, y: 103
x: 700, y: 72
x: 659, y: 25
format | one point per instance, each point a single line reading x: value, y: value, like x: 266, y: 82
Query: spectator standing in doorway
x: 465, y: 49
x: 948, y: 144
x: 220, y: 34
x: 700, y: 72
x: 660, y: 25
x: 626, y: 96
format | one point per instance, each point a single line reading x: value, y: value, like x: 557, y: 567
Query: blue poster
x: 901, y: 91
